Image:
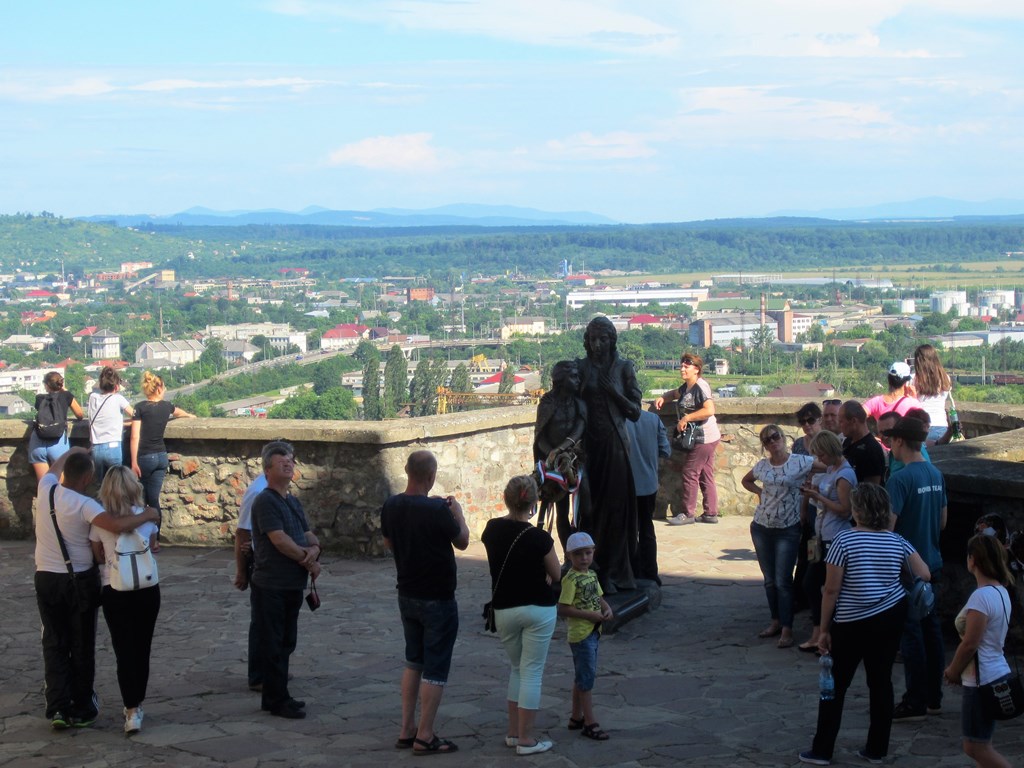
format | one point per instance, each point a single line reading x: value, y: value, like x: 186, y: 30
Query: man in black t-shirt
x: 420, y: 530
x: 861, y: 449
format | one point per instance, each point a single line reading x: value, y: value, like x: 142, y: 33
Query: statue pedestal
x: 628, y: 604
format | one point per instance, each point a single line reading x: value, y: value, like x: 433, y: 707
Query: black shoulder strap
x: 60, y: 539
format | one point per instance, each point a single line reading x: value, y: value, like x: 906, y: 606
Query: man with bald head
x: 421, y: 530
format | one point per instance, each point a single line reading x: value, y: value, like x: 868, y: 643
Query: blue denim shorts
x: 974, y: 723
x: 46, y: 451
x: 584, y: 659
x: 430, y: 627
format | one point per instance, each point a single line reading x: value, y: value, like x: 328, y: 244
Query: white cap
x: 578, y: 540
x: 900, y: 369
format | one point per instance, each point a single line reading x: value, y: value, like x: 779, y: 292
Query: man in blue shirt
x: 918, y: 495
x: 648, y: 441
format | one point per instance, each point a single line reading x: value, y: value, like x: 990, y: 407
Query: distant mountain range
x: 922, y: 208
x: 448, y: 215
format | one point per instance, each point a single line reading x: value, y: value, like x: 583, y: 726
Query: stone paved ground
x: 689, y: 684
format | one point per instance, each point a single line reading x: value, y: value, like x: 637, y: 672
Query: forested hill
x: 38, y: 243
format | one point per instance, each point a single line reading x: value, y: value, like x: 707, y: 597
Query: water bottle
x: 826, y: 683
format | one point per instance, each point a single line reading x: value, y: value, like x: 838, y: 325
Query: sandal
x: 769, y: 632
x: 405, y: 743
x: 436, y: 746
x: 593, y: 731
x: 785, y: 642
x: 575, y: 725
x: 809, y: 647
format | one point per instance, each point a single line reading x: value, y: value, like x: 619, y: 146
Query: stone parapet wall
x: 347, y: 469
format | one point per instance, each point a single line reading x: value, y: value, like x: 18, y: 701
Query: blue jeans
x: 430, y: 627
x: 776, y: 550
x: 525, y: 632
x: 924, y: 656
x: 584, y: 661
x: 154, y: 470
x: 42, y: 451
x: 104, y: 457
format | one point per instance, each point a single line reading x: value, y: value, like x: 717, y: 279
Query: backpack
x: 134, y: 566
x: 50, y: 422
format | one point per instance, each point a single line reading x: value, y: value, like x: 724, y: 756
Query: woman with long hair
x: 523, y: 565
x: 979, y: 660
x: 932, y: 385
x: 696, y: 406
x: 43, y: 451
x: 130, y: 616
x: 775, y: 529
x: 863, y: 609
x: 149, y: 454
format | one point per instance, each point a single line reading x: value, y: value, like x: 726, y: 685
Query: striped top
x: 871, y: 563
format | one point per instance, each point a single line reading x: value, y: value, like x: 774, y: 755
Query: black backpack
x: 51, y: 418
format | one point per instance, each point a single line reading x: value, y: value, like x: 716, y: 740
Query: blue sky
x: 663, y: 110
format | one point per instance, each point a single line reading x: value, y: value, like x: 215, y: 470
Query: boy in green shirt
x: 582, y: 604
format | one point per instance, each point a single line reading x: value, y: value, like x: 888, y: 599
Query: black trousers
x: 255, y: 671
x: 645, y: 565
x: 874, y: 640
x: 69, y: 640
x: 131, y: 619
x: 278, y: 612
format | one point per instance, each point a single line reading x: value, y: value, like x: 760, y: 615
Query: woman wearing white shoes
x: 523, y: 564
x: 130, y: 615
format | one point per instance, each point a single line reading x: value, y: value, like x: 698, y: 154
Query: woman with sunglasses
x: 695, y: 405
x: 775, y: 529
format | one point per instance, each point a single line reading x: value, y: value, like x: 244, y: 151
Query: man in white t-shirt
x: 68, y: 604
x: 243, y: 568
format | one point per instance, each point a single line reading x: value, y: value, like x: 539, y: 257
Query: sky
x: 639, y: 110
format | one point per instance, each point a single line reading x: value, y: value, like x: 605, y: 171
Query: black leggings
x: 131, y: 618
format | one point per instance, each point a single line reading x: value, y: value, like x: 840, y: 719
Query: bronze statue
x: 558, y: 451
x: 611, y: 393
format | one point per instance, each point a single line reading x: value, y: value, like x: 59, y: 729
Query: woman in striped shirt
x: 863, y: 609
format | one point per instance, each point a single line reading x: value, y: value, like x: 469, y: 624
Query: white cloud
x: 411, y: 152
x: 53, y: 88
x: 617, y: 145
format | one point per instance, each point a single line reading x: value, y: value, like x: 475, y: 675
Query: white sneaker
x: 535, y: 749
x: 133, y: 722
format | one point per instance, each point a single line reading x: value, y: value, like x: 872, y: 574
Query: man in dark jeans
x: 286, y: 551
x: 421, y: 531
x: 918, y: 495
x: 68, y: 604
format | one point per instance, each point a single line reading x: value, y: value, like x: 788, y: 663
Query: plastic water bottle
x: 826, y: 683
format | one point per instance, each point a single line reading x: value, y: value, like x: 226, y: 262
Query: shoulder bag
x: 83, y: 585
x: 488, y: 614
x: 1003, y: 699
x: 920, y: 597
x: 692, y: 433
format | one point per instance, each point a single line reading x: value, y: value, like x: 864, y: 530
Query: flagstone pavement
x: 689, y: 684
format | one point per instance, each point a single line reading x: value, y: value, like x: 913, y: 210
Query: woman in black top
x: 523, y: 566
x: 149, y: 454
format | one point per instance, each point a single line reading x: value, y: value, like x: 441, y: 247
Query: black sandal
x: 593, y: 731
x: 435, y: 746
x: 574, y: 724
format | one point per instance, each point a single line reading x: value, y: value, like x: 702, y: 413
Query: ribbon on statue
x: 566, y: 485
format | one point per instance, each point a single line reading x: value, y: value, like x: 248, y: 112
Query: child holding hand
x: 584, y: 607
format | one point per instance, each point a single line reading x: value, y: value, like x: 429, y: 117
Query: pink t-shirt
x: 877, y: 407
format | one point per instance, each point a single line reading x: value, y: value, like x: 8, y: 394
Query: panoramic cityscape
x: 611, y: 382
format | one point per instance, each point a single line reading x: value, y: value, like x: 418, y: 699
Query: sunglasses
x: 685, y: 363
x: 771, y: 438
x: 831, y: 402
x: 806, y: 422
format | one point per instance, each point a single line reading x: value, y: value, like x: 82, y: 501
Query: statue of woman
x: 610, y: 390
x: 558, y: 450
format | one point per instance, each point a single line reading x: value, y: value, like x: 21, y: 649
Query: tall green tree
x: 508, y: 381
x: 371, y: 384
x: 395, y: 379
x: 421, y: 382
